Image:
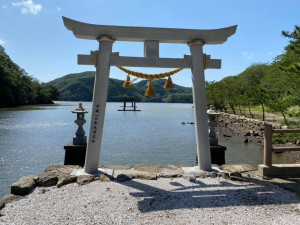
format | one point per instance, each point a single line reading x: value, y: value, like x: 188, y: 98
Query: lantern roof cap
x: 212, y: 111
x: 80, y: 109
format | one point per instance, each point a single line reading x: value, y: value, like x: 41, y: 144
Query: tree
x: 215, y: 96
x: 179, y: 98
x: 229, y: 89
x: 293, y: 50
x: 18, y: 88
x: 255, y: 93
x: 279, y: 89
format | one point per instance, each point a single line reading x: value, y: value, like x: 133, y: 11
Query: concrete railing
x: 268, y: 146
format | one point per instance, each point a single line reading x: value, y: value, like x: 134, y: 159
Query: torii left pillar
x: 99, y: 104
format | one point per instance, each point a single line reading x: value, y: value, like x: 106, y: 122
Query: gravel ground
x: 162, y: 201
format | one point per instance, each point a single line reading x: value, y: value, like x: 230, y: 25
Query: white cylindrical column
x: 99, y: 103
x: 199, y: 97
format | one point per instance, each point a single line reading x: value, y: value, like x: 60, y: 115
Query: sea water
x: 33, y: 138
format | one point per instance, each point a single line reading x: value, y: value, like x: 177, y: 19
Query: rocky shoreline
x: 235, y: 125
x: 252, y: 130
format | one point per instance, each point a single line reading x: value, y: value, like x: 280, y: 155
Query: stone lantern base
x: 217, y: 154
x: 75, y: 154
x: 79, y: 140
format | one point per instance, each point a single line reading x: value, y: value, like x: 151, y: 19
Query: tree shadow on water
x: 201, y: 195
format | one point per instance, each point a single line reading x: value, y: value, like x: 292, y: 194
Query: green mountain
x: 79, y: 87
x: 18, y: 88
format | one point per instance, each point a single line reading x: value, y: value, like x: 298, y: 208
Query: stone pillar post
x: 268, y: 132
x: 99, y: 103
x: 199, y: 97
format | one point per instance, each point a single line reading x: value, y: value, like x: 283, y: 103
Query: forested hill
x: 79, y: 87
x: 18, y: 88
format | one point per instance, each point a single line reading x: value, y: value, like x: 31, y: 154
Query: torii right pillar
x: 200, y: 110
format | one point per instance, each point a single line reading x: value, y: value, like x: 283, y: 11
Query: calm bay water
x: 32, y: 138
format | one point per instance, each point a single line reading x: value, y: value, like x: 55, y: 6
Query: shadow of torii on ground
x: 179, y: 193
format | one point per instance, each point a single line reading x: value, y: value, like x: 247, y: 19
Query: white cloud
x: 248, y: 55
x: 58, y: 9
x: 28, y: 6
x: 2, y: 42
x: 4, y: 6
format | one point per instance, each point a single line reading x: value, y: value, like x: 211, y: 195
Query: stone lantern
x: 212, y: 123
x: 80, y: 138
x: 217, y: 151
x: 75, y: 151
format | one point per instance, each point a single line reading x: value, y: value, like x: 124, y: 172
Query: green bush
x: 294, y: 111
x: 284, y: 138
x: 287, y: 137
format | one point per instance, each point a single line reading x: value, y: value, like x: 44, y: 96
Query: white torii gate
x: 197, y: 61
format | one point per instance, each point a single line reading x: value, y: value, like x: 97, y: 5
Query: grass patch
x: 283, y: 138
x: 294, y: 111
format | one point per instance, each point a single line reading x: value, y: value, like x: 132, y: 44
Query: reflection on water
x: 32, y: 138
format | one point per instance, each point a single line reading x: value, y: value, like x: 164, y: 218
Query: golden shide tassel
x: 169, y: 84
x: 150, y: 91
x: 127, y: 83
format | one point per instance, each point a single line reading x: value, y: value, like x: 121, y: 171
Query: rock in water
x: 247, y: 133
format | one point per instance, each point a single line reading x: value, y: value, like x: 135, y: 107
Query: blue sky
x: 33, y: 34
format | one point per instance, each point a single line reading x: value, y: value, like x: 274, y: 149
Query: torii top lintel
x: 141, y: 34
